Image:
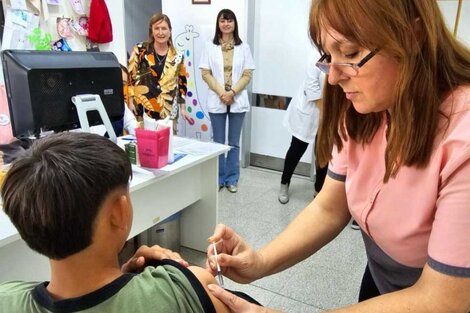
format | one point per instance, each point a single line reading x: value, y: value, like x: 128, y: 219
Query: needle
x: 219, y: 272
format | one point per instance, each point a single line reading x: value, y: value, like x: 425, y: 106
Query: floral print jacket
x: 165, y: 90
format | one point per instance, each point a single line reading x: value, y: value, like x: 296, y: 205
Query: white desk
x: 190, y: 184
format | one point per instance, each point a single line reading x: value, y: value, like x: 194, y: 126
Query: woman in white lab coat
x: 302, y: 122
x: 227, y: 66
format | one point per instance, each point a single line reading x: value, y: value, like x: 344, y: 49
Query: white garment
x: 302, y: 114
x: 212, y: 59
x: 130, y: 122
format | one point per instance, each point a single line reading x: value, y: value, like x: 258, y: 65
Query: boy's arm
x: 206, y: 278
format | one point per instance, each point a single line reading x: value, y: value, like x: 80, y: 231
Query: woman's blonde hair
x: 432, y: 64
x: 156, y: 18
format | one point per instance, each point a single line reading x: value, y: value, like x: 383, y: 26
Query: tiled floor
x: 327, y: 280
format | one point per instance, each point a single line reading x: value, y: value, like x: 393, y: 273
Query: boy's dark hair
x: 53, y: 192
x: 228, y: 15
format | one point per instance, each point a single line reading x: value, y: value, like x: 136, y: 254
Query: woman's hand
x: 227, y: 97
x: 137, y: 262
x: 236, y: 304
x: 187, y: 117
x: 237, y: 260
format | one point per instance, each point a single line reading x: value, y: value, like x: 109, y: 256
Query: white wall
x: 267, y: 125
x: 282, y: 48
x: 138, y: 13
x: 449, y: 10
x: 118, y: 45
x: 282, y: 45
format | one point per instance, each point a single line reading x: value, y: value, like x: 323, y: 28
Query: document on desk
x: 144, y: 170
x: 192, y: 147
x: 141, y: 174
x: 181, y: 142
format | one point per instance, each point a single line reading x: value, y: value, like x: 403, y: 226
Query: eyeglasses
x: 350, y: 69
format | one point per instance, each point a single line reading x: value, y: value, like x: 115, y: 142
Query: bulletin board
x: 46, y: 25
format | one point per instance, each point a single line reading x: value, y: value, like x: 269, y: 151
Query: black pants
x: 320, y: 172
x: 294, y: 154
x: 368, y: 287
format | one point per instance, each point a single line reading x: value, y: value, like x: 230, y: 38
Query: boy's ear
x: 121, y: 212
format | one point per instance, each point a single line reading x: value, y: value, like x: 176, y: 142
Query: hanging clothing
x: 100, y: 28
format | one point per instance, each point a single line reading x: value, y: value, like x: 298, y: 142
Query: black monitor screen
x: 40, y: 85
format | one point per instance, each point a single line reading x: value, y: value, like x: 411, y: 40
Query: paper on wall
x: 18, y: 25
x: 45, y: 11
x: 18, y: 5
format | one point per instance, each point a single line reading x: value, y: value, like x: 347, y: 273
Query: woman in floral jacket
x: 157, y: 80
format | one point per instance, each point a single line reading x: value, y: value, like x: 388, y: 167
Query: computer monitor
x: 40, y: 86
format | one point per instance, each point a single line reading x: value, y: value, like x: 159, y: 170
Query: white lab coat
x: 130, y: 122
x: 212, y: 59
x: 302, y: 114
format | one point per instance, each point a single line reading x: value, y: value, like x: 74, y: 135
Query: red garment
x: 100, y: 29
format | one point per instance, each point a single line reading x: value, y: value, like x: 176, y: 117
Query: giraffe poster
x: 199, y: 126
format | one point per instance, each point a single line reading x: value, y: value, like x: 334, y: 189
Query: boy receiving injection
x: 68, y: 196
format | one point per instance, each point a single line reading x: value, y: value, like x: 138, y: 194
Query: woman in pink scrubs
x: 396, y: 137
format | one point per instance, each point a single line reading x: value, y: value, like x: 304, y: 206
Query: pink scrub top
x: 422, y: 215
